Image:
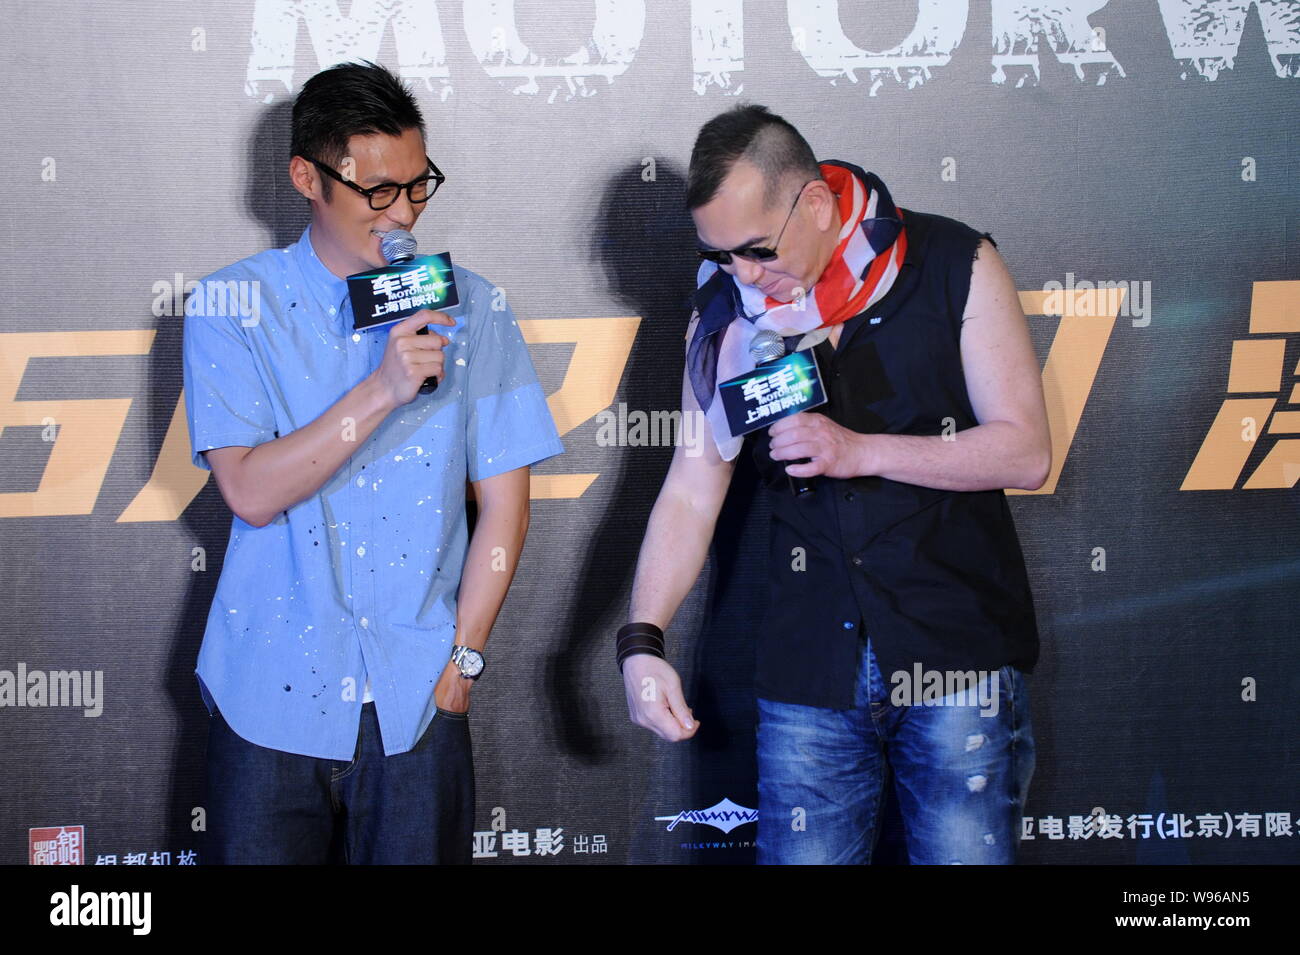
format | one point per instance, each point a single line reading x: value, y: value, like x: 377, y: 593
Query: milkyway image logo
x: 724, y: 815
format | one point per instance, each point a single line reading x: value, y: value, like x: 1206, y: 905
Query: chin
x: 784, y: 290
x: 371, y: 252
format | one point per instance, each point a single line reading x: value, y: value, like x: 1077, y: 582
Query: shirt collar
x: 330, y: 287
x: 913, y: 254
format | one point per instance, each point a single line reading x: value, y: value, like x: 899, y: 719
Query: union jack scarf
x: 872, y: 245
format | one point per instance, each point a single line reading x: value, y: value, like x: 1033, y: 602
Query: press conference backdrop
x: 1135, y: 161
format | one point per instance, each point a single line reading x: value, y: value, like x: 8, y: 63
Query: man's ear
x: 823, y: 203
x: 305, y: 178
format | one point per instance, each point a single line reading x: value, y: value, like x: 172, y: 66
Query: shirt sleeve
x: 509, y: 424
x: 225, y: 400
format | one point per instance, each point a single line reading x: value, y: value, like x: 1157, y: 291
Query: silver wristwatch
x: 469, y: 660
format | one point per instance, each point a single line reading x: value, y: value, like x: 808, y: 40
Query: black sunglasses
x: 754, y: 253
x: 382, y: 196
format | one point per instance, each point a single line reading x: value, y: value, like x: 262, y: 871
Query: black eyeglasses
x: 418, y: 190
x: 755, y: 253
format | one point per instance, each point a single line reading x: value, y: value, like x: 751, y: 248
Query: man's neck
x: 832, y: 237
x: 331, y: 256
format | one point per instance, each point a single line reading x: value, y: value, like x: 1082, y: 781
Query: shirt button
x: 857, y: 561
x: 356, y: 336
x: 849, y: 495
x: 361, y: 552
x: 364, y: 623
x: 361, y: 482
x: 848, y: 625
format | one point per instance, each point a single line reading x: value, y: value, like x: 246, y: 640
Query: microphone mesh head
x: 766, y: 345
x: 397, y: 245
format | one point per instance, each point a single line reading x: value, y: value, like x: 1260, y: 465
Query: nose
x: 403, y: 212
x: 750, y: 273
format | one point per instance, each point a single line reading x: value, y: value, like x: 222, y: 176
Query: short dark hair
x: 351, y: 99
x: 752, y: 133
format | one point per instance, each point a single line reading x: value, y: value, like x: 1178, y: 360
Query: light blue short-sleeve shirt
x: 360, y: 578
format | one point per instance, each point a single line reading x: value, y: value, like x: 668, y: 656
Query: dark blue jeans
x: 961, y: 773
x: 267, y: 807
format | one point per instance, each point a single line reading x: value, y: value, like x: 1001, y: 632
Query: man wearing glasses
x: 902, y: 564
x: 350, y: 619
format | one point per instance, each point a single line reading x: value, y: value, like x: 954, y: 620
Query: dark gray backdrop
x: 1152, y: 143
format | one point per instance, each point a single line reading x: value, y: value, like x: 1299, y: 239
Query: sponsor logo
x: 724, y: 815
x: 1214, y: 824
x: 56, y: 845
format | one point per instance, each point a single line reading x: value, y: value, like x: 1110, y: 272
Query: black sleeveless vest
x: 931, y: 576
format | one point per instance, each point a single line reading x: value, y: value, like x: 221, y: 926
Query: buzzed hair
x: 756, y: 135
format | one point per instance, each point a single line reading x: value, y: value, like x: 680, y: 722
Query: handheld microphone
x: 768, y: 346
x: 399, y: 246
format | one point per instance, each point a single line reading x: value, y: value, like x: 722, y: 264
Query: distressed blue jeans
x: 961, y: 777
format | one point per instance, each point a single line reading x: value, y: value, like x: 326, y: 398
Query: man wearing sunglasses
x: 902, y: 565
x: 350, y: 619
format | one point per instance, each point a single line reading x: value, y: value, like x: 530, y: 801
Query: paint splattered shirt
x: 360, y: 578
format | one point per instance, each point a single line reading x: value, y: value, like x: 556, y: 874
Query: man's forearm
x: 490, y: 565
x: 989, y: 456
x: 672, y: 555
x: 278, y: 474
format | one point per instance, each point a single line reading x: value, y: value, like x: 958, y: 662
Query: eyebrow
x: 376, y: 180
x: 744, y: 245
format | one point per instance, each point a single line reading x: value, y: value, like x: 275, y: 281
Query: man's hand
x: 654, y: 698
x: 410, y: 358
x: 835, y: 450
x: 452, y: 690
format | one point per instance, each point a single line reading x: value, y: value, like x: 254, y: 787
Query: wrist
x: 467, y: 661
x: 376, y: 397
x: 865, y: 459
x: 639, y: 638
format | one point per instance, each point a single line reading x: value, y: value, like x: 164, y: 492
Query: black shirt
x: 934, y: 576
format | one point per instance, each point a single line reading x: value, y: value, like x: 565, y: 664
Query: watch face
x: 470, y: 661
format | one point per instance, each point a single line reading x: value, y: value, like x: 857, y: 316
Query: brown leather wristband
x: 639, y: 638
